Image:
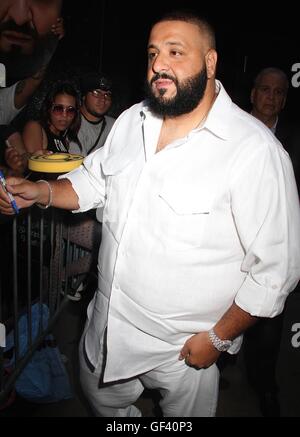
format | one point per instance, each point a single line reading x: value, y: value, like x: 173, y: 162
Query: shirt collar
x: 219, y: 116
x: 273, y: 128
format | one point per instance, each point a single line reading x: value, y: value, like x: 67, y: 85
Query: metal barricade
x: 44, y: 253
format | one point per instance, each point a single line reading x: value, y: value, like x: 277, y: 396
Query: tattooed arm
x: 25, y: 88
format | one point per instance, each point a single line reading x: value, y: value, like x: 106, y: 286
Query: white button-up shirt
x: 210, y: 220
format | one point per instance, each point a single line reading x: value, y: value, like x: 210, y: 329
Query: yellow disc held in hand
x: 55, y: 163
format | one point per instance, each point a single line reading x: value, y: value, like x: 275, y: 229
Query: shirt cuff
x: 258, y: 300
x: 88, y: 198
x: 236, y: 345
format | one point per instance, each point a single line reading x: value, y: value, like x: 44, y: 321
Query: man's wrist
x: 45, y: 204
x: 40, y: 73
x: 218, y: 343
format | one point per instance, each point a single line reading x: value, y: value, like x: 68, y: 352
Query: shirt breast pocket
x: 118, y: 182
x: 185, y: 216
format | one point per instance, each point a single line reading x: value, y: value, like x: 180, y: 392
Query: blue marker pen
x: 11, y: 197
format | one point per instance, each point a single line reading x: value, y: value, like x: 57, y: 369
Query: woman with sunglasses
x: 59, y: 122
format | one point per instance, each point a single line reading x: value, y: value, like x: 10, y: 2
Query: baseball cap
x: 95, y: 81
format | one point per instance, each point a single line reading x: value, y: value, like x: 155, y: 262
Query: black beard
x: 189, y: 93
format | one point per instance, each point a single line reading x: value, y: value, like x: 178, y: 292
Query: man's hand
x: 199, y: 352
x: 26, y: 87
x: 26, y: 193
x: 58, y: 28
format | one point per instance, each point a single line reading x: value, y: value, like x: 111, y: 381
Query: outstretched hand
x: 25, y: 193
x: 199, y: 352
x: 58, y: 28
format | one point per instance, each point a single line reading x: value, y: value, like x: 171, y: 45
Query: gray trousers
x: 185, y: 391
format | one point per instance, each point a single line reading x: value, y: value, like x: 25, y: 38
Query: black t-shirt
x: 56, y: 143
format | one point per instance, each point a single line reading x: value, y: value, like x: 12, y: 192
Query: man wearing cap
x: 95, y: 124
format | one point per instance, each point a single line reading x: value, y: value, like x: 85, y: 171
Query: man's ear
x: 211, y: 58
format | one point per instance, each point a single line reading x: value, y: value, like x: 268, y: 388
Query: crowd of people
x: 73, y: 115
x: 199, y: 196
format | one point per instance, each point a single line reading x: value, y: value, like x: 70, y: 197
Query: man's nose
x: 160, y: 64
x: 271, y: 94
x: 20, y: 12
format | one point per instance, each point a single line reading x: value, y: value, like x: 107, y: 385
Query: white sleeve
x: 7, y: 106
x: 265, y: 207
x: 88, y: 182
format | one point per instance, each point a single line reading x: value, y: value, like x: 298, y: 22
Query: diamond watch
x: 220, y: 345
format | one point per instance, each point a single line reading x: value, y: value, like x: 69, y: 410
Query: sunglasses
x: 100, y: 93
x: 59, y: 109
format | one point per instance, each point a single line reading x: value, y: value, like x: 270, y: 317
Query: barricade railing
x: 44, y: 252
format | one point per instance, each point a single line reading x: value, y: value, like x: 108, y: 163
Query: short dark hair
x: 191, y: 17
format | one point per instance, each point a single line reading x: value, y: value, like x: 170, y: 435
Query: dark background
x: 112, y: 37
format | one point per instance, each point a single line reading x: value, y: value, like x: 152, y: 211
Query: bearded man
x: 200, y: 233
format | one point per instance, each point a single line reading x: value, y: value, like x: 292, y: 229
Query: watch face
x: 226, y: 345
x: 220, y: 345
